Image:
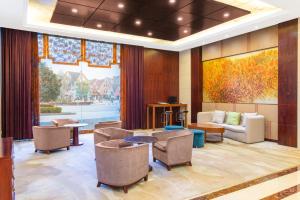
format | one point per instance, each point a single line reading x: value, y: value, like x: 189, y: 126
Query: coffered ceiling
x: 162, y: 19
x: 36, y: 15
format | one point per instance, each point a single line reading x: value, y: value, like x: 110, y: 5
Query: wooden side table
x: 209, y: 128
x: 170, y: 107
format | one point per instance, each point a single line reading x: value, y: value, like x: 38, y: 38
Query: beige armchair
x: 107, y: 124
x: 62, y: 122
x: 48, y: 138
x: 121, y: 167
x: 173, y: 148
x: 111, y: 133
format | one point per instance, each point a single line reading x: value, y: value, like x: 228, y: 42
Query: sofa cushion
x: 218, y: 116
x: 161, y: 145
x: 233, y: 118
x: 244, y: 117
x: 234, y: 128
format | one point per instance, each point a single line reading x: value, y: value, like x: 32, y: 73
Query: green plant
x: 51, y: 109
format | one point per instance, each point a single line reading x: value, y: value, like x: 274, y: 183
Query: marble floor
x: 71, y: 175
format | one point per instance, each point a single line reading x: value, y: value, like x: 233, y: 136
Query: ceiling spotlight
x: 149, y: 33
x: 121, y: 5
x: 74, y: 10
x: 138, y: 22
x: 179, y: 19
x: 172, y: 1
x: 185, y: 31
x: 226, y: 15
x: 99, y: 25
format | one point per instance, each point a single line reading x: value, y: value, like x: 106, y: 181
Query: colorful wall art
x: 246, y: 78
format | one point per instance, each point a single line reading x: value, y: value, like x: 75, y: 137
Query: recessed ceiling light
x: 138, y: 22
x: 121, y: 5
x: 99, y: 25
x: 226, y: 15
x: 185, y: 31
x: 74, y: 10
x: 172, y: 1
x: 179, y: 18
x: 149, y: 33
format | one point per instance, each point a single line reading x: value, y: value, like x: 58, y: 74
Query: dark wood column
x: 287, y: 82
x: 197, y: 83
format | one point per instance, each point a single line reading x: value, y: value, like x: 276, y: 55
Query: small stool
x: 173, y: 127
x: 198, y: 138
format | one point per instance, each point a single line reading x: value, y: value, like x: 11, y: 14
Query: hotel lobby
x: 160, y: 99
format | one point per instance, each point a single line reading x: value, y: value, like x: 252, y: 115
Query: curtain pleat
x: 132, y: 71
x: 19, y: 80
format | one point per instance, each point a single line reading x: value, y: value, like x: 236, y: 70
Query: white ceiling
x: 34, y: 16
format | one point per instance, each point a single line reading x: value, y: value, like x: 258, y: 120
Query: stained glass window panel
x: 41, y: 45
x: 99, y: 53
x: 64, y: 50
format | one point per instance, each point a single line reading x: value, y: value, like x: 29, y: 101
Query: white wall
x: 185, y: 79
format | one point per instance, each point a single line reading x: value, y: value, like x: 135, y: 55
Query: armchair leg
x: 168, y: 168
x: 35, y: 150
x: 125, y: 189
x: 98, y: 184
x: 189, y: 163
x: 154, y: 159
x: 68, y: 148
x: 146, y: 178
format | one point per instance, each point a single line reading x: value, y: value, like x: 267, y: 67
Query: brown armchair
x: 173, y: 148
x: 121, y: 167
x: 48, y: 138
x: 111, y: 133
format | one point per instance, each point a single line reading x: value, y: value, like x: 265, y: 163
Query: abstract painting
x: 246, y: 78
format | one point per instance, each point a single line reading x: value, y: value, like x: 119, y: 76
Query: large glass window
x: 75, y: 89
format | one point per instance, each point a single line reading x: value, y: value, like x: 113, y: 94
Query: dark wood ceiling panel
x: 164, y: 20
x: 203, y: 7
x: 181, y: 19
x: 64, y: 8
x: 130, y: 6
x: 67, y: 20
x: 108, y: 16
x: 232, y: 11
x: 89, y: 3
x: 101, y: 25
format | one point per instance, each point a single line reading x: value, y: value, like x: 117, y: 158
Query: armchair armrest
x: 163, y: 136
x: 255, y: 128
x: 204, y: 117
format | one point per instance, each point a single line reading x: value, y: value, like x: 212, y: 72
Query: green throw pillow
x: 233, y: 118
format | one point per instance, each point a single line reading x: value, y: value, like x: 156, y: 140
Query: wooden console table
x: 168, y: 106
x: 6, y: 169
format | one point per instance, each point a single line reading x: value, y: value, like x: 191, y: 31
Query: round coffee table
x: 209, y: 128
x: 76, y: 127
x: 141, y: 140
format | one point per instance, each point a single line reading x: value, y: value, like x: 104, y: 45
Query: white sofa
x: 253, y: 132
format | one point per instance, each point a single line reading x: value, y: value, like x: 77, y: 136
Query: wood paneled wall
x: 197, y: 83
x: 287, y: 87
x: 257, y: 40
x: 161, y: 77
